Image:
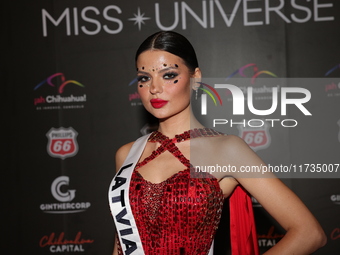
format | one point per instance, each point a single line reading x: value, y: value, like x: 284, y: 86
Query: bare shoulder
x: 234, y: 153
x: 121, y: 154
x: 234, y: 140
x: 232, y: 144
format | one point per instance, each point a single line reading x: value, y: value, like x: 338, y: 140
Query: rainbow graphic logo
x: 256, y: 72
x: 332, y: 88
x: 241, y: 72
x: 64, y: 82
x: 332, y: 70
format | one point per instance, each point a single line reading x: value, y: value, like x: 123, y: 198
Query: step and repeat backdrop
x: 70, y: 101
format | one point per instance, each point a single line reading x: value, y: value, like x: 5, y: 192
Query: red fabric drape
x: 242, y: 224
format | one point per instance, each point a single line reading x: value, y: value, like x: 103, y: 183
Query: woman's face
x: 164, y: 83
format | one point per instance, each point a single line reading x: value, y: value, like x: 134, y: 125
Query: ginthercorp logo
x: 335, y: 199
x: 64, y: 195
x: 57, y: 192
x: 62, y: 142
x: 59, y: 243
x: 63, y: 94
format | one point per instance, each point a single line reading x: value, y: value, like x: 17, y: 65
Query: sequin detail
x: 180, y: 215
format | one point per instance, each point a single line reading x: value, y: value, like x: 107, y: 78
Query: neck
x: 179, y: 123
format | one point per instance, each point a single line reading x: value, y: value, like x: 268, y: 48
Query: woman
x: 158, y: 207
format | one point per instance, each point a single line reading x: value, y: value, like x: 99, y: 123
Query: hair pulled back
x: 173, y: 43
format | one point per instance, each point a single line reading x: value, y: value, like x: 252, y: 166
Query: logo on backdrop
x: 255, y: 202
x: 59, y: 93
x: 62, y: 193
x: 148, y: 128
x: 335, y: 199
x: 61, y: 244
x: 270, y: 238
x: 111, y: 19
x: 134, y: 99
x: 256, y: 136
x: 62, y: 142
x: 332, y: 88
x: 335, y: 234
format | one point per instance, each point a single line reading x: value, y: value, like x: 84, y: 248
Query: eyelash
x: 143, y: 78
x: 166, y: 76
x: 170, y: 75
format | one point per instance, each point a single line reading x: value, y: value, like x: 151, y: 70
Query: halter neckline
x: 157, y: 136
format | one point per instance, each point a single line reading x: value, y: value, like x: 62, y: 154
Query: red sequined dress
x: 180, y: 215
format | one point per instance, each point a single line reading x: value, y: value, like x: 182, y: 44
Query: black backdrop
x: 69, y: 102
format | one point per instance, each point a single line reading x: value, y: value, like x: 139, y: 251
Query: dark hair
x: 173, y: 43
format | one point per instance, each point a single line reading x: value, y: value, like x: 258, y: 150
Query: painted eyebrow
x: 160, y: 71
x: 142, y: 72
x: 167, y: 69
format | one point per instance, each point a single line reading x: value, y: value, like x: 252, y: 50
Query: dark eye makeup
x: 170, y: 75
x: 142, y: 78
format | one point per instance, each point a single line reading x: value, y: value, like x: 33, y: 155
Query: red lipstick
x: 158, y: 103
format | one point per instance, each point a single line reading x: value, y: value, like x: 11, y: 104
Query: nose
x: 156, y: 87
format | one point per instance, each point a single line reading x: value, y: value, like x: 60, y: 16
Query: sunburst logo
x: 332, y: 70
x: 50, y: 81
x: 213, y: 94
x: 255, y: 72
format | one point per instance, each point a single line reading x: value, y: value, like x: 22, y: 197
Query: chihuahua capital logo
x: 59, y: 97
x: 62, y: 142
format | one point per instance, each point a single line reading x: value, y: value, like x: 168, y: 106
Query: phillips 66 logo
x: 257, y: 137
x: 62, y: 142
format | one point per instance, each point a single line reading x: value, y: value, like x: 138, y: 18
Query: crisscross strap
x: 168, y: 144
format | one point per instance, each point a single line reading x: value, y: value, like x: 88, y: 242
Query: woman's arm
x: 304, y: 233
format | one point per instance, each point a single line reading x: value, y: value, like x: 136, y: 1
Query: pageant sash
x: 120, y: 202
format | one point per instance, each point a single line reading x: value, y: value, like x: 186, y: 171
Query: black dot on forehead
x: 142, y: 67
x: 176, y: 65
x: 164, y: 64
